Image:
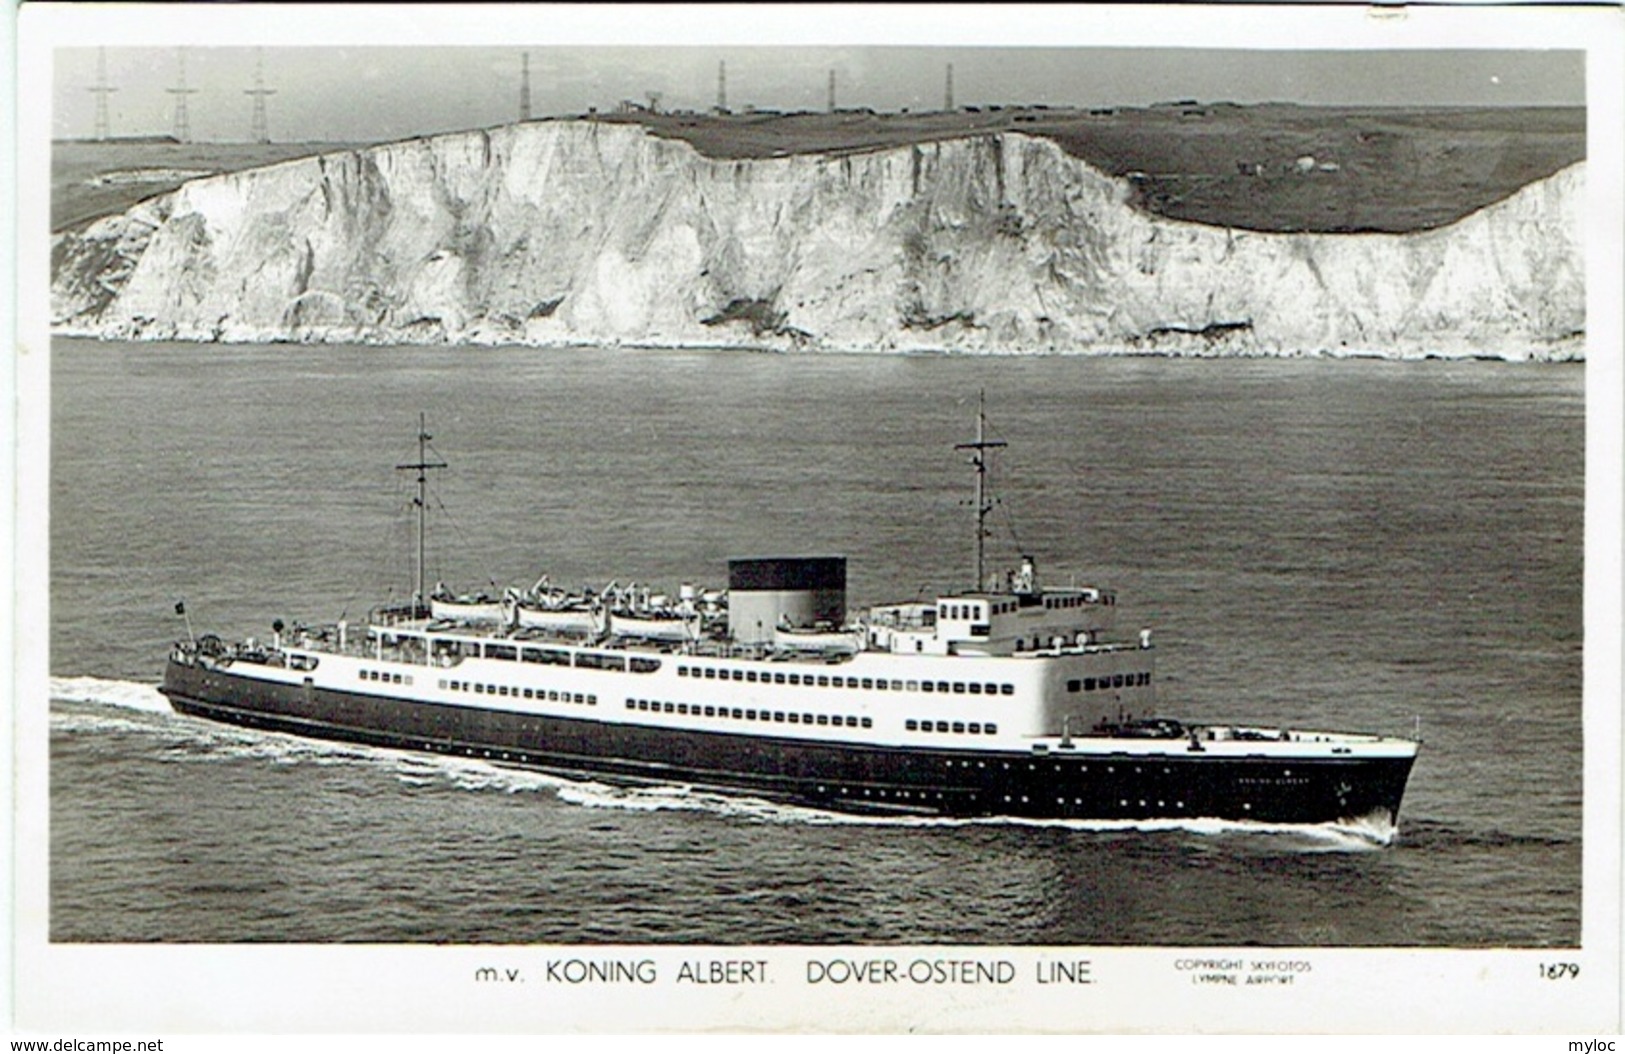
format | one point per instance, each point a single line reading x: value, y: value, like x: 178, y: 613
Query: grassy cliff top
x: 1272, y: 167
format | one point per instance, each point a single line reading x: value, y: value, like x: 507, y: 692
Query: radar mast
x: 978, y: 460
x: 422, y: 465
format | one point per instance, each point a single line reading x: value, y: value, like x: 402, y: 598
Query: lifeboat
x: 654, y: 625
x: 818, y: 639
x: 480, y: 607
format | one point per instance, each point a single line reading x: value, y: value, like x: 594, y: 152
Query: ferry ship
x: 1007, y: 699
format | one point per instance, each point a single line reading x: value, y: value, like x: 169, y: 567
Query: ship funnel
x: 791, y: 591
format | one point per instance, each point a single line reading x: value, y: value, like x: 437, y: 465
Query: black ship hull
x: 845, y: 777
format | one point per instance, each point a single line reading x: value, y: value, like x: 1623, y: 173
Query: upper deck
x: 967, y: 624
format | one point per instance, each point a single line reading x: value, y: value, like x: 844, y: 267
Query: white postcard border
x: 261, y: 989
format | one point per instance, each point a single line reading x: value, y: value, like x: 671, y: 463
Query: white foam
x: 1365, y: 834
x: 97, y: 723
x: 127, y: 694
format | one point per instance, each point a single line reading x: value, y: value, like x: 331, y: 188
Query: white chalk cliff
x: 586, y: 233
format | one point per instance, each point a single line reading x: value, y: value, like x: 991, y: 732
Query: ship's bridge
x: 1021, y: 618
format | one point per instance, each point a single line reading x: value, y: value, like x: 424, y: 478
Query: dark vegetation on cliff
x: 91, y: 179
x: 1271, y: 167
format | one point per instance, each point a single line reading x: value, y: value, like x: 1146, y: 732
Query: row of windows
x: 957, y: 727
x: 825, y: 680
x: 584, y: 660
x: 384, y: 677
x: 1116, y: 680
x: 741, y: 714
x: 479, y: 688
x: 1053, y: 603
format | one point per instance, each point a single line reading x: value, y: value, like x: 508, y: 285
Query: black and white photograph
x: 822, y: 519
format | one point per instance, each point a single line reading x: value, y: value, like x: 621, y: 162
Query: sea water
x: 1360, y: 545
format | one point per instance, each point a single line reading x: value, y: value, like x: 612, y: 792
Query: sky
x: 363, y: 93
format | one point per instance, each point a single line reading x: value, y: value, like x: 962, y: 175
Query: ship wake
x: 126, y: 695
x: 1350, y: 836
